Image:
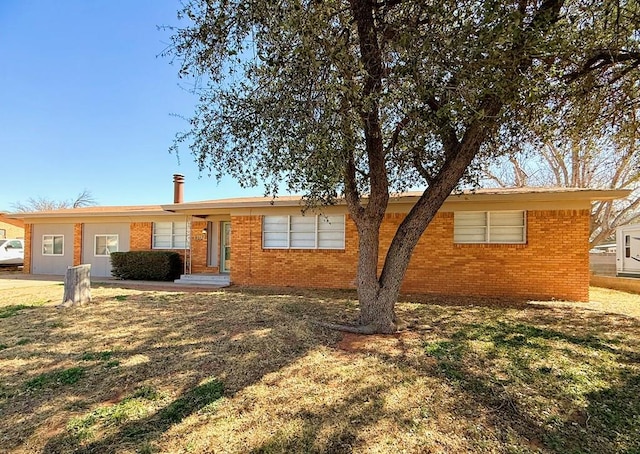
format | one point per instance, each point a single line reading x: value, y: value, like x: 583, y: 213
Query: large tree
x: 363, y: 98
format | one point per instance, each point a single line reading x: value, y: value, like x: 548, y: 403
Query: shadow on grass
x: 585, y: 375
x: 359, y: 411
x: 139, y: 432
x: 188, y: 337
x: 241, y: 337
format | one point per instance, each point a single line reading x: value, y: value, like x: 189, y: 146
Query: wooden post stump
x: 77, y: 285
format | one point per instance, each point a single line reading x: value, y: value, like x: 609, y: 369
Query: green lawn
x: 244, y: 370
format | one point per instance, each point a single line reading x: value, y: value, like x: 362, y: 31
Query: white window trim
x: 487, y: 227
x: 289, y: 231
x: 53, y: 235
x: 95, y: 244
x: 187, y: 237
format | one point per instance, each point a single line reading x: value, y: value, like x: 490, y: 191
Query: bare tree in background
x: 83, y: 199
x: 587, y: 163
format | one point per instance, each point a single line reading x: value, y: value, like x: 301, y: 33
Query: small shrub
x: 146, y: 265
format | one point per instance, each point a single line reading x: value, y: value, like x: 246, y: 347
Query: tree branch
x: 602, y: 59
x: 497, y: 179
x: 371, y: 59
x: 396, y: 133
x: 420, y: 168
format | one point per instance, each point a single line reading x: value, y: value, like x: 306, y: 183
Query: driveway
x: 12, y: 279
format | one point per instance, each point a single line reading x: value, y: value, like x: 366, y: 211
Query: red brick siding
x: 77, y: 244
x: 28, y: 235
x: 552, y: 264
x: 140, y: 234
x: 290, y: 267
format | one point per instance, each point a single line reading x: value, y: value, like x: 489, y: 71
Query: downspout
x: 187, y: 244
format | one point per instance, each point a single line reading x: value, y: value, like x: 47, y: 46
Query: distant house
x: 10, y: 227
x: 531, y: 243
x: 609, y: 248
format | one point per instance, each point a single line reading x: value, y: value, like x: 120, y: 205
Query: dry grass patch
x: 243, y: 370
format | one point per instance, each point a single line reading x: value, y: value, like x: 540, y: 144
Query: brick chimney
x: 178, y: 188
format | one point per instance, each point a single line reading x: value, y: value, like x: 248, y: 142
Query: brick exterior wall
x: 140, y: 234
x: 28, y: 234
x: 325, y: 268
x: 77, y: 244
x: 554, y: 263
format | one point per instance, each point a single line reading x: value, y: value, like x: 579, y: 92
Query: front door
x: 225, y: 250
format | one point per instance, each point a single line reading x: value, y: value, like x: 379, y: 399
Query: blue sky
x: 86, y: 102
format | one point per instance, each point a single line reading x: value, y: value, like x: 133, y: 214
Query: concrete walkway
x: 12, y: 280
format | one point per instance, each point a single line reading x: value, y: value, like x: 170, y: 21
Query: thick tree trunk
x: 378, y: 295
x: 376, y: 309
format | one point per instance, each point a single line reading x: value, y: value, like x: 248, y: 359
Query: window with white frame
x: 303, y: 232
x: 52, y: 244
x: 504, y: 227
x: 3, y: 233
x: 170, y: 235
x: 104, y: 245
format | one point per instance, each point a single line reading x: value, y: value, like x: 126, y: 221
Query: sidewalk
x: 12, y: 279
